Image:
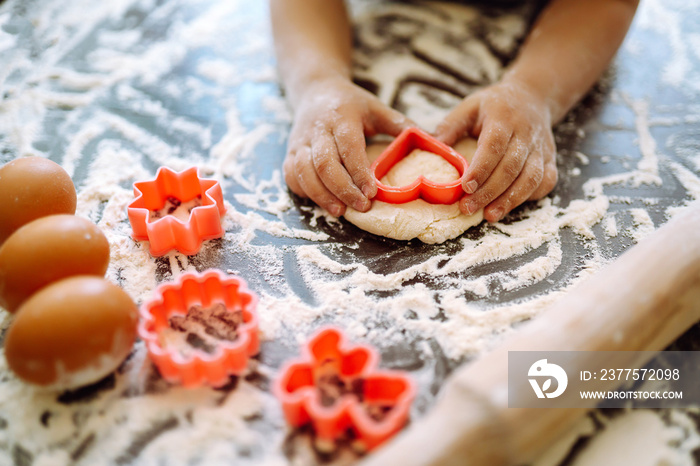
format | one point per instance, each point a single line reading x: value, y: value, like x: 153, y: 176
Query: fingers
x: 549, y: 180
x: 350, y: 142
x: 515, y: 156
x: 383, y: 120
x: 386, y: 120
x: 332, y: 173
x: 529, y: 180
x: 459, y: 122
x: 328, y: 161
x: 494, y: 141
x: 290, y: 175
x: 503, y: 172
x: 311, y: 184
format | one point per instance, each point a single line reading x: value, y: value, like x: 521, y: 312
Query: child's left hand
x: 515, y: 156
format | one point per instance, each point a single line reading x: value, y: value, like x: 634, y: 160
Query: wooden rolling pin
x: 641, y: 302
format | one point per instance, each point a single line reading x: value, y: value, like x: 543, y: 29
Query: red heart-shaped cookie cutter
x: 434, y: 193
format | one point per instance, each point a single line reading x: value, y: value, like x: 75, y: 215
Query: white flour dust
x: 128, y: 107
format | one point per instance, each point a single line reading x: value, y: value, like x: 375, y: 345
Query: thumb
x: 459, y: 122
x: 386, y: 120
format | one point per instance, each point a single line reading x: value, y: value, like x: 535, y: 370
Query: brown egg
x: 71, y: 333
x: 46, y: 250
x: 30, y: 188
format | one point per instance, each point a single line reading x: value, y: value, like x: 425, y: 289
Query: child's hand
x: 326, y: 157
x: 515, y: 156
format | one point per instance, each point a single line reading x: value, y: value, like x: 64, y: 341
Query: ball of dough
x: 430, y: 223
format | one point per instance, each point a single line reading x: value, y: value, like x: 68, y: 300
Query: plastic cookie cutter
x: 435, y: 193
x: 201, y: 328
x: 176, y: 211
x: 337, y: 388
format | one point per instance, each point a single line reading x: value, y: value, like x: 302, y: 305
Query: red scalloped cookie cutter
x: 168, y: 232
x: 434, y: 193
x: 206, y: 290
x: 336, y: 387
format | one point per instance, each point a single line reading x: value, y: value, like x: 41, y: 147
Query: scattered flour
x: 464, y: 296
x: 610, y: 225
x: 680, y: 70
x: 644, y: 226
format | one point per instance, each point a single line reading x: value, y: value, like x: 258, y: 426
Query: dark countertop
x: 192, y: 82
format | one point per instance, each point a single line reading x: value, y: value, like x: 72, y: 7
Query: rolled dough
x: 430, y: 223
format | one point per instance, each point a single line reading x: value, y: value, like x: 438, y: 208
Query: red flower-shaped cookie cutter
x: 435, y: 193
x: 169, y: 232
x: 204, y: 289
x: 328, y: 353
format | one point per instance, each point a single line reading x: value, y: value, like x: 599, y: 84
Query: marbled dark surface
x: 650, y: 89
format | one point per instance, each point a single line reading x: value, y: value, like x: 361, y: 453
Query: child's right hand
x: 326, y: 154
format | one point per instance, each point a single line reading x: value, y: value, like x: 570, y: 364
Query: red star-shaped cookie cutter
x: 167, y: 233
x: 435, y: 193
x: 176, y: 298
x: 327, y: 354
